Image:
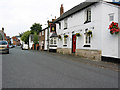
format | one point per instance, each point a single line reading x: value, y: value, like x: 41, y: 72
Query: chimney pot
x: 61, y: 9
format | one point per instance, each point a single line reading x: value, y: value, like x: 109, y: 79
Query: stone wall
x: 64, y: 50
x: 90, y: 54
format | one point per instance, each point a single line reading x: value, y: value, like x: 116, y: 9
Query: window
x: 55, y: 41
x: 51, y: 41
x: 87, y: 39
x: 42, y: 32
x: 65, y: 41
x: 65, y: 24
x: 87, y: 15
x: 59, y: 25
x: 111, y: 17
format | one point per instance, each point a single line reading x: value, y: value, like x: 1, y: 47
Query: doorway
x: 73, y: 43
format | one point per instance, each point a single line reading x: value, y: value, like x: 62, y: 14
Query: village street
x: 33, y: 69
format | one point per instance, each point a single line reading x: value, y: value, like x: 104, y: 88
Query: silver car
x: 4, y: 47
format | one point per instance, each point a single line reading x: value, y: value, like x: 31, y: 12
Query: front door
x: 73, y: 43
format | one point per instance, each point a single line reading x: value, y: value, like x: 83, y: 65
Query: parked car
x: 4, y: 47
x: 24, y: 46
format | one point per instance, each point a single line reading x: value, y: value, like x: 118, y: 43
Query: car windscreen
x: 3, y: 43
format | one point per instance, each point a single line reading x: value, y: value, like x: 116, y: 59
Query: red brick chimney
x: 61, y: 9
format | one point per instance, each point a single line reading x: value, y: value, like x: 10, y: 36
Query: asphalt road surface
x: 33, y: 69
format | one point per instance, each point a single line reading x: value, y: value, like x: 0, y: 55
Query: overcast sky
x: 17, y: 16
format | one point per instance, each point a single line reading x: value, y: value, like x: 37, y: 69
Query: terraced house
x: 84, y: 31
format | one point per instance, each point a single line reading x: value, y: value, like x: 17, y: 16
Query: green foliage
x: 36, y: 27
x: 65, y: 36
x: 35, y: 40
x: 78, y: 34
x: 89, y: 33
x: 25, y: 36
x: 20, y: 34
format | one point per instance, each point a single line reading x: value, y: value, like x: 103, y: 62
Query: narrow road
x: 33, y: 69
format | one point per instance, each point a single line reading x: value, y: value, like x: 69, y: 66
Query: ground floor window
x: 65, y: 41
x: 53, y: 41
x: 87, y: 38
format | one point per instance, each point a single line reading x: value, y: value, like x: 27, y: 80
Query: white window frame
x: 88, y: 15
x: 51, y: 41
x: 59, y: 25
x: 65, y: 23
x: 111, y: 17
x: 65, y: 41
x: 55, y: 41
x: 88, y: 41
x: 42, y: 32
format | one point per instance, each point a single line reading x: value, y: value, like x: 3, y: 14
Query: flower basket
x: 114, y: 28
x: 78, y: 34
x: 59, y: 36
x: 65, y: 36
x: 89, y: 33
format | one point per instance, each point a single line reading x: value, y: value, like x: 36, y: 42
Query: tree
x: 20, y: 34
x: 35, y: 40
x: 25, y: 36
x: 36, y: 27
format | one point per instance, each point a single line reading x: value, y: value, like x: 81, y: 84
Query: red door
x: 74, y: 43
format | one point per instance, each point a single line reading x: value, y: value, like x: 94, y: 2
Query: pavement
x: 102, y: 64
x: 36, y: 69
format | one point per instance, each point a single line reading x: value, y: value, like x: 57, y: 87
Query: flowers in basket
x: 113, y: 27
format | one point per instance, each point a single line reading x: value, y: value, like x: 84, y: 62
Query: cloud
x: 19, y: 15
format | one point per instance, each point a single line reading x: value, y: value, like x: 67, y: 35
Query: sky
x: 17, y: 16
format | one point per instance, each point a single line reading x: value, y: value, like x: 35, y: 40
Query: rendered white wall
x: 109, y: 42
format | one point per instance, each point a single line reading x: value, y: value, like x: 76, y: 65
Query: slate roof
x: 75, y: 9
x: 80, y: 7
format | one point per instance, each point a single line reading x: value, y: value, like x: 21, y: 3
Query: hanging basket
x: 114, y: 28
x: 89, y: 33
x: 59, y: 36
x: 78, y: 34
x: 65, y: 36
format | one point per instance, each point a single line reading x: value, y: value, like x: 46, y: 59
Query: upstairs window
x: 111, y: 17
x: 87, y: 16
x: 59, y: 25
x: 65, y: 24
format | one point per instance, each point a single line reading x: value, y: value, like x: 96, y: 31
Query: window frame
x: 88, y: 16
x: 65, y: 23
x: 111, y: 15
x: 87, y: 39
x: 65, y: 42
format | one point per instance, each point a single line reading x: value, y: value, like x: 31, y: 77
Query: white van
x: 24, y: 46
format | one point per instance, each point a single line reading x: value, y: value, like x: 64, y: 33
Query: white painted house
x: 52, y: 36
x: 85, y: 17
